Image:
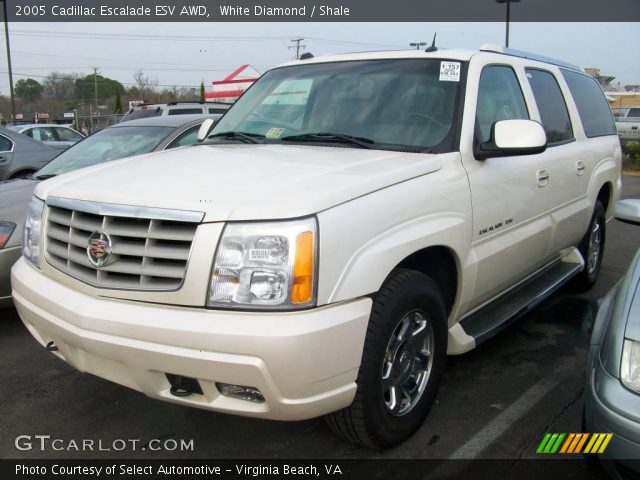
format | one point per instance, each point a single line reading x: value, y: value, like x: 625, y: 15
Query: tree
x: 202, y: 91
x: 107, y: 87
x: 145, y: 84
x: 117, y: 104
x: 28, y: 89
x: 59, y: 86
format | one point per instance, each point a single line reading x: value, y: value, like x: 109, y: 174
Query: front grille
x: 146, y: 253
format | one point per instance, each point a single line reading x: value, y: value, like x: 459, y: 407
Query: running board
x: 496, y: 316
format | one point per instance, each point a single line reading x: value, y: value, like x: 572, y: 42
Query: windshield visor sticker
x: 449, y: 71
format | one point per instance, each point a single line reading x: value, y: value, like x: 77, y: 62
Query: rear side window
x: 551, y: 105
x: 593, y: 108
x: 184, y: 111
x: 499, y: 98
x: 6, y: 145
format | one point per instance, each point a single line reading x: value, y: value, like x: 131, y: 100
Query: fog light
x: 250, y: 394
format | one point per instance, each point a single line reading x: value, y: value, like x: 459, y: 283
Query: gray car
x: 56, y: 136
x: 118, y: 141
x: 21, y: 155
x: 612, y: 398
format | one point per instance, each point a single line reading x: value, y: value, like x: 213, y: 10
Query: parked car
x: 118, y: 141
x: 349, y: 222
x: 57, y: 136
x: 20, y: 155
x: 147, y: 110
x: 612, y: 398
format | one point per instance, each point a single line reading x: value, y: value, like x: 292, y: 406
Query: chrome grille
x: 146, y: 253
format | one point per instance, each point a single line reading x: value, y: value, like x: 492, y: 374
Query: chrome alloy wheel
x: 593, y: 253
x: 407, y: 363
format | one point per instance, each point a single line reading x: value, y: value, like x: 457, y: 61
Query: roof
x: 452, y: 54
x: 165, y: 121
x: 30, y: 125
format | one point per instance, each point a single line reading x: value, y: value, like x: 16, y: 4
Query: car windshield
x: 403, y: 104
x: 105, y: 145
x: 142, y: 113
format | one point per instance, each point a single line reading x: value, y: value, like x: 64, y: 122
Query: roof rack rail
x: 487, y: 47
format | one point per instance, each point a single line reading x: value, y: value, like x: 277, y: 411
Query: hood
x: 14, y: 198
x: 243, y: 182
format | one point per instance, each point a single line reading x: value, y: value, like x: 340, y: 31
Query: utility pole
x: 95, y: 85
x: 417, y: 44
x: 297, y: 46
x: 6, y: 36
x: 508, y: 19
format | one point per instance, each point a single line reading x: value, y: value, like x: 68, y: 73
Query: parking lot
x: 495, y: 402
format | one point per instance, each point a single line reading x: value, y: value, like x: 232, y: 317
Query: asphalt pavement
x: 497, y: 401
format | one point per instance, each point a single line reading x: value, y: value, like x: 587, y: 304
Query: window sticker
x: 449, y: 71
x: 274, y: 132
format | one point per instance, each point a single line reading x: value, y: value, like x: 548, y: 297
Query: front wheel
x: 402, y: 363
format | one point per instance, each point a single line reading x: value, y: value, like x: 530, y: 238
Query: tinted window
x: 499, y: 98
x: 218, y: 110
x: 592, y: 106
x: 184, y: 111
x: 188, y: 137
x: 634, y: 112
x: 5, y: 144
x: 551, y: 105
x: 105, y: 145
x: 142, y: 113
x: 68, y: 135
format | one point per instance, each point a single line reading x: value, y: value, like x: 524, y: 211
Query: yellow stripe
x: 596, y: 446
x: 584, y: 439
x: 567, y: 443
x: 572, y: 448
x: 605, y: 443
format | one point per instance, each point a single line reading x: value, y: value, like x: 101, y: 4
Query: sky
x: 184, y: 54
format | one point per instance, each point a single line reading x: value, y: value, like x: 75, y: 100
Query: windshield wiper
x: 247, y: 137
x: 331, y: 137
x: 44, y: 177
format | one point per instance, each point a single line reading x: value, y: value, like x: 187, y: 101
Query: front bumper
x: 304, y: 363
x: 8, y: 257
x: 610, y: 407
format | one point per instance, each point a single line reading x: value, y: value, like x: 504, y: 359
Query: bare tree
x: 59, y: 86
x: 145, y: 84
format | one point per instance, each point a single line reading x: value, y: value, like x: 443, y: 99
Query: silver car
x: 612, y: 398
x: 56, y: 136
x: 20, y: 155
x: 118, y: 141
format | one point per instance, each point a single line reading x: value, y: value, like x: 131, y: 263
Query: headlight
x: 6, y: 229
x: 630, y: 368
x: 265, y: 265
x: 32, y: 231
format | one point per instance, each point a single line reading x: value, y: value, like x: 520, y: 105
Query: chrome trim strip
x: 117, y: 210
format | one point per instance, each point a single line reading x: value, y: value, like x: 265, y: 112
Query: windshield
x: 105, y: 145
x: 390, y: 104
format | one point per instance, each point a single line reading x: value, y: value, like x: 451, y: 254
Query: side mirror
x: 628, y: 211
x: 205, y: 129
x: 513, y: 137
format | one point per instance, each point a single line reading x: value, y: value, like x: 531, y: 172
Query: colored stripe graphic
x: 573, y: 443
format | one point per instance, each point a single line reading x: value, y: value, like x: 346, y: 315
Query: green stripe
x: 558, y: 443
x: 543, y: 443
x: 550, y: 443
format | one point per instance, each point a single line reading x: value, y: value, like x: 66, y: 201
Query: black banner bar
x: 321, y: 11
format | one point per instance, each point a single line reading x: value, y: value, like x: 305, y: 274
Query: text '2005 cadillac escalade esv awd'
x: 348, y: 223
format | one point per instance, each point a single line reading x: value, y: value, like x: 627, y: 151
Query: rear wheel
x: 402, y: 363
x: 22, y: 174
x: 592, y: 250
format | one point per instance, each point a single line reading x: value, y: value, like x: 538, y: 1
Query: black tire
x: 407, y: 298
x: 22, y: 174
x: 589, y: 275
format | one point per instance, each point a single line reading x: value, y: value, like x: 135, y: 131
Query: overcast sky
x: 184, y: 54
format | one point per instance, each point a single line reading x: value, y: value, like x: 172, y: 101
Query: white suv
x: 347, y: 224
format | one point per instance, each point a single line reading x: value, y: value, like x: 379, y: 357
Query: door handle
x: 543, y: 178
x: 3, y: 160
x: 580, y: 167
